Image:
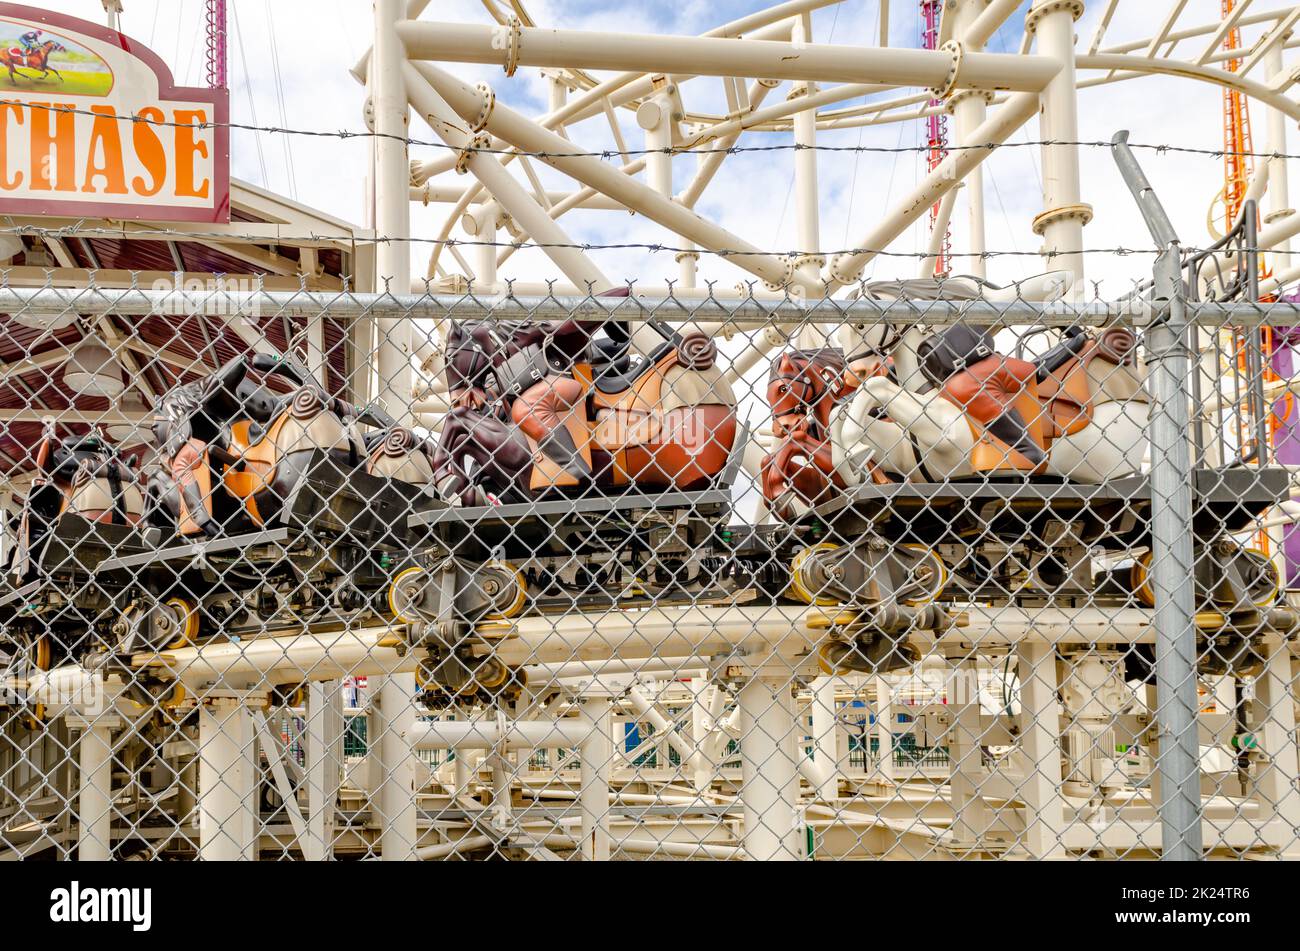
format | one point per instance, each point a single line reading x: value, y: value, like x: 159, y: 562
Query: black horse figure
x: 484, y: 456
x: 82, y: 476
x: 234, y: 449
x: 565, y: 406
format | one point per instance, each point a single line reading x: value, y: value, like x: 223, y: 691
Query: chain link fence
x: 945, y: 570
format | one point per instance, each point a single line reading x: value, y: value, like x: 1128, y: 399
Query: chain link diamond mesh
x: 632, y: 577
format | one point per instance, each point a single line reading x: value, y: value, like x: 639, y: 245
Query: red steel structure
x: 936, y: 128
x: 216, y: 26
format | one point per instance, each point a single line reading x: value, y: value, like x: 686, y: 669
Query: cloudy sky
x: 289, y: 61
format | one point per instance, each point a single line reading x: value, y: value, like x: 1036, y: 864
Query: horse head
x: 802, y: 389
x: 867, y: 346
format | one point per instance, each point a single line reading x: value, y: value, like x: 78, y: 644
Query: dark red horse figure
x: 552, y: 406
x: 803, y: 389
x: 38, y: 58
x: 483, y: 456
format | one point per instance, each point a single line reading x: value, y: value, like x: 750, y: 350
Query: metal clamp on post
x: 1082, y: 211
x: 479, y: 143
x: 840, y: 276
x: 957, y: 51
x: 1050, y: 6
x: 485, y: 110
x: 961, y: 95
x: 513, y: 38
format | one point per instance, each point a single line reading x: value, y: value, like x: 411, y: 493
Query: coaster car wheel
x: 42, y: 652
x: 806, y: 585
x: 404, y: 592
x: 928, y: 576
x: 505, y: 584
x: 1263, y: 579
x: 1140, y: 579
x: 181, y: 616
x: 879, y: 655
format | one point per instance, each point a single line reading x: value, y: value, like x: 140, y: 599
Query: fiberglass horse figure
x: 82, y: 476
x: 14, y: 58
x: 233, y: 449
x: 544, y: 406
x: 907, y: 407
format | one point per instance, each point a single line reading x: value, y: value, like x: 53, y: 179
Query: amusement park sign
x: 92, y: 125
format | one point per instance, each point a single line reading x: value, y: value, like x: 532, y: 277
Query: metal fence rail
x: 947, y: 570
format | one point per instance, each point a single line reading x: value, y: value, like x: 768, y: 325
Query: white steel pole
x: 884, y: 729
x: 806, y: 195
x: 227, y: 781
x: 825, y: 736
x: 95, y: 799
x: 393, y: 264
x: 1276, y: 767
x: 1279, y: 190
x: 324, y: 766
x: 597, y: 757
x: 705, y: 56
x: 392, y: 208
x: 970, y: 818
x: 983, y: 26
x: 769, y: 769
x: 1064, y: 214
x: 809, y: 261
x: 969, y: 108
x: 926, y: 268
x: 702, y: 725
x: 392, y: 720
x: 1040, y: 718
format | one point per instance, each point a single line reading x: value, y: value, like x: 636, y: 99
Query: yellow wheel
x: 34, y: 719
x: 521, y: 591
x: 393, y: 592
x: 498, y: 676
x: 175, y: 700
x: 931, y: 565
x: 828, y: 656
x: 798, y: 588
x: 41, y: 653
x: 422, y: 676
x: 1140, y: 579
x: 188, y: 616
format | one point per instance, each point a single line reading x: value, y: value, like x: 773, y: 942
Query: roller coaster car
x: 1006, y: 471
x: 84, y: 503
x: 236, y: 455
x: 584, y: 476
x: 268, y: 509
x: 544, y: 410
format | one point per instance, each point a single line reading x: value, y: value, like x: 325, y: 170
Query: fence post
x: 1172, y: 561
x: 1172, y: 555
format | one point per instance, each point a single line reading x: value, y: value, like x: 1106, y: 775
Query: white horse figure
x: 903, y: 427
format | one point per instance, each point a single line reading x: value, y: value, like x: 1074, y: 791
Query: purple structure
x: 1286, y: 441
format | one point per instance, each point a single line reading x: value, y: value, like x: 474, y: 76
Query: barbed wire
x: 69, y: 231
x: 610, y: 153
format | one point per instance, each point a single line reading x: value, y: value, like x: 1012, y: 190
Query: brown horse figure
x: 803, y: 389
x: 39, y: 58
x: 540, y: 407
